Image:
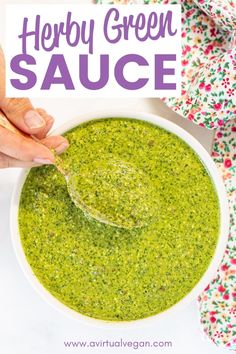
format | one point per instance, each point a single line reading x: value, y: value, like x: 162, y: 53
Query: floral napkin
x: 218, y: 301
x: 208, y: 67
x: 209, y: 100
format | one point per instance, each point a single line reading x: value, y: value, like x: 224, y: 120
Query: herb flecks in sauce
x: 112, y: 273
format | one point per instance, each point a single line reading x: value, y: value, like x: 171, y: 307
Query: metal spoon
x: 111, y: 191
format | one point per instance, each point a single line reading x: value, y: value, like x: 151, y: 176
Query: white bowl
x: 221, y: 244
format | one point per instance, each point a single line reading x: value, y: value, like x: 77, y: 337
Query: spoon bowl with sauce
x: 126, y: 189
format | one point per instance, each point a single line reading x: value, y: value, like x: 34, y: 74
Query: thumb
x: 23, y: 115
x: 19, y: 110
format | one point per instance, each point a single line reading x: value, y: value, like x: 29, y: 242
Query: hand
x: 20, y: 151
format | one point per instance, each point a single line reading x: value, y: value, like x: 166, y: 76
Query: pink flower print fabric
x: 223, y: 12
x: 208, y: 62
x: 211, y: 98
x: 217, y: 303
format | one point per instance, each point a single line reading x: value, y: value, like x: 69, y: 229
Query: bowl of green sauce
x: 112, y: 276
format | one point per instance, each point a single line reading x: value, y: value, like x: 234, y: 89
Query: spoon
x: 111, y: 191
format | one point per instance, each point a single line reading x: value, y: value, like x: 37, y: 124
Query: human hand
x: 17, y: 150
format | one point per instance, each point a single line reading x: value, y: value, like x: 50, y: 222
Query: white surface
x: 28, y: 325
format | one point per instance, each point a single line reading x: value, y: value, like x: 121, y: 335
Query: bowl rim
x: 209, y: 273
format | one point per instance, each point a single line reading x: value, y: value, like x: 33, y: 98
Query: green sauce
x: 112, y: 273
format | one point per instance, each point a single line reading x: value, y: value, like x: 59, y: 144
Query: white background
x: 28, y: 325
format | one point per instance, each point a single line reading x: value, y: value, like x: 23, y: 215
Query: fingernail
x: 61, y: 148
x: 34, y: 120
x: 43, y: 161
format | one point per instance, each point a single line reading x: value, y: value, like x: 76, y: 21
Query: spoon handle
x: 5, y: 123
x: 60, y: 165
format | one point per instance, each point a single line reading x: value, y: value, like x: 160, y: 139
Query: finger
x: 22, y: 114
x: 48, y: 123
x: 57, y: 143
x: 7, y: 161
x: 24, y: 148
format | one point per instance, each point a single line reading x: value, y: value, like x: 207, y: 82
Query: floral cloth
x: 209, y: 99
x: 218, y: 301
x: 208, y: 67
x: 221, y: 11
